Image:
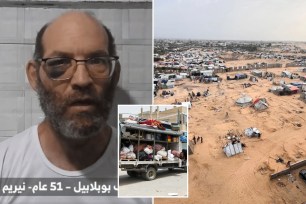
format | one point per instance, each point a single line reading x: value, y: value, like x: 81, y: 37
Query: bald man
x: 74, y: 71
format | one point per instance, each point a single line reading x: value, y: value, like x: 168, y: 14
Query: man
x: 74, y: 72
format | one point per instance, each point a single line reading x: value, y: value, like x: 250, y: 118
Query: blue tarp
x: 183, y: 137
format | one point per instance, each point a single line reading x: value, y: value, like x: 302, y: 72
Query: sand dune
x: 243, y: 178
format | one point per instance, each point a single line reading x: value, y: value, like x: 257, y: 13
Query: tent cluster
x: 233, y: 145
x: 284, y: 89
x: 258, y: 104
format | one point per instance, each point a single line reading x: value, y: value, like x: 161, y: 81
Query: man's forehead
x: 75, y: 25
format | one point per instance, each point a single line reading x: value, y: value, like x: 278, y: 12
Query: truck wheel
x: 132, y: 173
x: 150, y: 174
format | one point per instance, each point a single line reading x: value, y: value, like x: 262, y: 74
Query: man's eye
x: 97, y: 61
x: 58, y: 62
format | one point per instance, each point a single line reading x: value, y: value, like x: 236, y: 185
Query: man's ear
x: 31, y: 74
x: 116, y: 74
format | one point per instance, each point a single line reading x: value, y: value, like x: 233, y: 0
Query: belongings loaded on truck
x: 152, y: 142
x: 153, y: 123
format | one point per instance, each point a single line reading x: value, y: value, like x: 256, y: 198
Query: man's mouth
x: 83, y: 104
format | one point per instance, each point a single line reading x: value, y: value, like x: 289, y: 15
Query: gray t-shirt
x: 22, y: 157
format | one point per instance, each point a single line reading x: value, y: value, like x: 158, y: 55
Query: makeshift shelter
x: 257, y: 73
x: 294, y: 89
x: 303, y: 96
x: 232, y: 149
x: 274, y: 89
x: 244, y: 101
x: 286, y: 74
x: 178, y: 77
x: 227, y: 69
x: 183, y: 75
x: 237, y: 76
x: 286, y: 89
x: 252, y: 132
x: 170, y: 84
x: 241, y: 76
x: 303, y: 78
x: 280, y: 82
x: 194, y: 72
x: 295, y: 76
x: 208, y: 73
x: 253, y: 79
x: 260, y: 104
x: 298, y: 84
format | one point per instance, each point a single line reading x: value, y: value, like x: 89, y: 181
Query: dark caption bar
x: 58, y: 187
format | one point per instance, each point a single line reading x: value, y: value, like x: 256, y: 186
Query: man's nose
x: 81, y: 75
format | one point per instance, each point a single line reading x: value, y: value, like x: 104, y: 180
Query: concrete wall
x: 130, y: 23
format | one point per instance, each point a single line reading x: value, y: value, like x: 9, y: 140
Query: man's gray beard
x: 71, y: 128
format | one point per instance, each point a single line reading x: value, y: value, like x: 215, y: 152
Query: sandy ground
x: 244, y: 178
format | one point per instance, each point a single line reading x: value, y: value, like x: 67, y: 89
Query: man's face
x: 78, y: 107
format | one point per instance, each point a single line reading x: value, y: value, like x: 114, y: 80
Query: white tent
x: 232, y: 149
x: 286, y: 74
x: 244, y: 101
x: 252, y: 132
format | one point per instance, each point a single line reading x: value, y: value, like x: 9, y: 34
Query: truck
x: 138, y: 135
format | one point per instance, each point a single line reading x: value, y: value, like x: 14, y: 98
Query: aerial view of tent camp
x: 249, y: 108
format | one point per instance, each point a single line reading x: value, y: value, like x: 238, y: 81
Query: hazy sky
x: 277, y: 20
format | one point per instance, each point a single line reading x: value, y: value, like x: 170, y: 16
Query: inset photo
x: 153, y: 149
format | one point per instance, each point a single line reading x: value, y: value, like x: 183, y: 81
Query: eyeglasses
x: 63, y: 68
